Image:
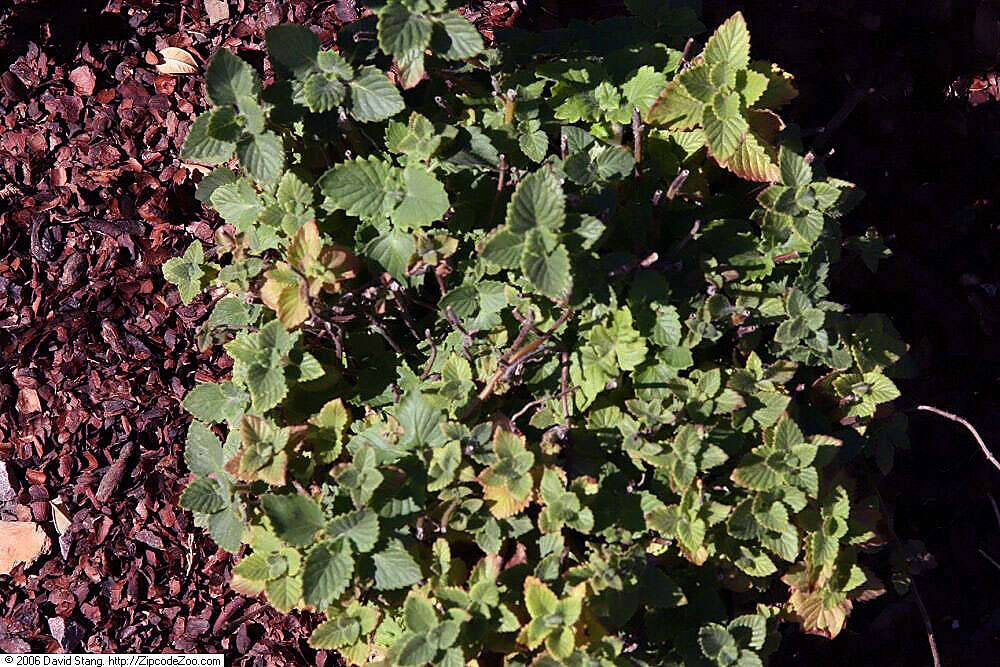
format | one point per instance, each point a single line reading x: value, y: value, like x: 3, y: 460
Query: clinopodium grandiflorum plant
x: 532, y: 357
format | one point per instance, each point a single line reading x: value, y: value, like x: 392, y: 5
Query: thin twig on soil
x: 838, y: 119
x: 975, y: 434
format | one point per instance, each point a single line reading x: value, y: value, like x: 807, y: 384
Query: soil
x: 95, y: 351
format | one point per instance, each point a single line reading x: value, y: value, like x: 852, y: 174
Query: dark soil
x: 95, y: 352
x: 926, y: 158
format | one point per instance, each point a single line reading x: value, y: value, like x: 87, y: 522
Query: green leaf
x: 237, y: 203
x: 332, y: 62
x: 795, y: 171
x: 420, y: 421
x: 724, y: 134
x: 203, y: 495
x: 267, y: 387
x: 464, y: 40
x: 373, y: 97
x: 202, y: 450
x: 716, y: 643
x: 212, y: 181
x: 201, y: 145
x: 401, y: 32
x: 364, y: 187
x: 414, y: 650
x: 186, y: 271
x: 393, y: 251
x: 284, y: 593
x: 252, y: 113
x: 424, y: 200
x: 419, y: 613
x: 229, y: 77
x: 226, y: 528
x: 293, y: 49
x: 642, y: 89
x: 335, y: 633
x: 323, y: 92
x: 296, y: 518
x: 263, y: 156
x: 254, y: 567
x: 504, y: 248
x: 360, y: 527
x: 215, y: 402
x: 538, y: 598
x: 327, y: 573
x: 730, y: 44
x: 538, y: 202
x: 395, y: 568
x: 547, y: 269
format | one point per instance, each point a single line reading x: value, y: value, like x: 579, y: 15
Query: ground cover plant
x: 532, y: 355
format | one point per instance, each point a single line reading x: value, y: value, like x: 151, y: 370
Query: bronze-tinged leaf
x: 752, y: 161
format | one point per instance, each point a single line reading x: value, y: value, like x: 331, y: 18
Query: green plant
x: 534, y: 360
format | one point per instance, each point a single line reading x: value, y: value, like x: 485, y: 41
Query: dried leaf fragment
x: 21, y: 542
x: 176, y: 61
x: 27, y: 401
x: 83, y: 80
x: 217, y: 10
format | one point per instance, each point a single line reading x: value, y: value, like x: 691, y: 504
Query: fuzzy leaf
x: 296, y: 518
x: 327, y: 573
x: 373, y: 97
x: 229, y: 77
x: 395, y: 568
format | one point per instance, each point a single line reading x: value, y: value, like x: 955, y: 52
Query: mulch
x: 96, y: 352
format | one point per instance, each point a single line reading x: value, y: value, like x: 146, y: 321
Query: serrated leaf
x: 360, y: 527
x: 393, y: 251
x: 504, y: 248
x: 717, y: 643
x: 373, y: 97
x: 730, y: 44
x: 267, y: 387
x: 263, y: 156
x: 327, y: 573
x: 186, y: 271
x: 323, y: 92
x: 226, y: 528
x: 464, y: 40
x: 237, y: 203
x: 202, y: 145
x: 419, y: 613
x: 335, y: 633
x: 293, y: 49
x: 364, y: 187
x: 254, y: 567
x: 546, y: 269
x: 538, y: 598
x: 203, y: 495
x: 795, y: 171
x: 723, y: 135
x: 215, y: 402
x: 401, y: 31
x: 296, y: 518
x: 284, y: 593
x: 228, y: 77
x: 644, y: 87
x: 395, y: 569
x: 424, y: 199
x: 332, y: 62
x: 538, y: 202
x: 202, y: 450
x: 419, y: 420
